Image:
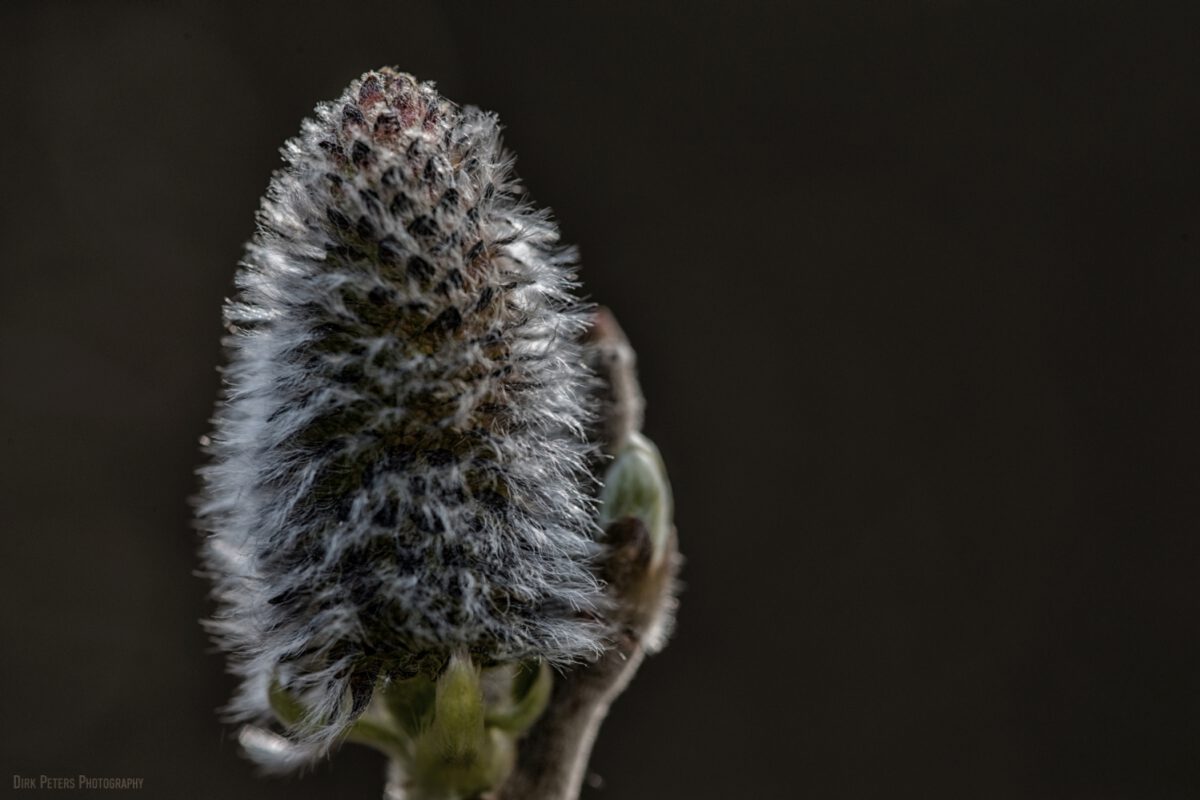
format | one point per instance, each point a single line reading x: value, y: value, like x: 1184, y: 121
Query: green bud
x: 636, y: 486
x: 452, y: 737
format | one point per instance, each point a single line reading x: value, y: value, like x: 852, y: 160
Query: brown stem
x: 552, y: 758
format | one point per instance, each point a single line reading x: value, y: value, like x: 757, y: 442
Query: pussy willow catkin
x: 396, y: 460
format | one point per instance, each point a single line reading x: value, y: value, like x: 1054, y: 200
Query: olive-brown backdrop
x: 916, y: 291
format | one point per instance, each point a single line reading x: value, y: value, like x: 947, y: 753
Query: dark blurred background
x: 915, y: 288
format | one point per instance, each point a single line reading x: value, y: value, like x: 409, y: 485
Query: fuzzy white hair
x: 396, y: 460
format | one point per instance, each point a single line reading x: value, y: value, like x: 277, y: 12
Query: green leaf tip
x: 287, y: 709
x: 531, y: 694
x: 457, y: 755
x: 410, y: 702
